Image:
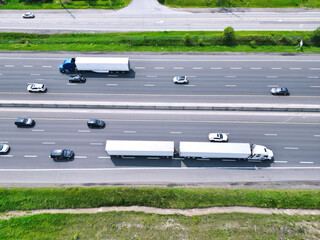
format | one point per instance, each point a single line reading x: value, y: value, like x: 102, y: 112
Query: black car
x: 62, y: 154
x: 24, y: 122
x: 77, y: 79
x: 95, y: 123
x: 280, y: 91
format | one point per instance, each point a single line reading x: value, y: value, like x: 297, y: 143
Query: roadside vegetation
x: 137, y: 225
x: 61, y: 198
x: 241, y: 3
x: 60, y: 4
x: 197, y: 41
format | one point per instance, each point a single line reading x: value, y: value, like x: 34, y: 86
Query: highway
x: 149, y: 15
x: 216, y: 78
x: 294, y: 138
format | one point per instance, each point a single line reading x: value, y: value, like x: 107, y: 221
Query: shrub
x: 253, y: 44
x: 187, y: 40
x: 229, y: 37
x: 200, y: 42
x: 286, y: 41
x: 316, y: 37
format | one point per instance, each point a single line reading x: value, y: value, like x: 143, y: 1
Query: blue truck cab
x: 68, y: 66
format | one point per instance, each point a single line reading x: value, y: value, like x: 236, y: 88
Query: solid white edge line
x: 158, y: 168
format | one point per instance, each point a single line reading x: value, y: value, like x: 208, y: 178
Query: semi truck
x: 95, y: 64
x: 140, y: 148
x: 240, y: 151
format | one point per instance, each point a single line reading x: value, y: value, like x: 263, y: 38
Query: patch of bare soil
x: 186, y: 212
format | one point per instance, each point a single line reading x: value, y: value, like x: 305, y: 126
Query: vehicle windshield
x: 1, y: 146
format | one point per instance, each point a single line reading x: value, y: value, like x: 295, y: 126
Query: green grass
x: 243, y: 3
x: 131, y: 225
x: 70, y: 4
x: 269, y: 41
x: 46, y: 198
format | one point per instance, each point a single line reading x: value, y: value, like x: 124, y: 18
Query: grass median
x: 61, y: 198
x: 135, y: 225
x: 246, y: 41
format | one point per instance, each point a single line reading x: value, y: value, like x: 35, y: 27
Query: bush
x: 253, y: 44
x: 229, y: 37
x: 286, y: 41
x: 316, y: 37
x: 187, y: 40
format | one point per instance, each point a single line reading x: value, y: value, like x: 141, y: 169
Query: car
x: 37, y: 87
x: 180, y: 79
x: 4, y: 148
x: 60, y: 154
x: 77, y: 79
x: 280, y: 91
x: 28, y: 15
x: 96, y: 123
x: 24, y: 122
x: 218, y: 137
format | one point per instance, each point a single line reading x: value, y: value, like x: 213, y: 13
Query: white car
x: 218, y: 137
x: 28, y: 15
x: 180, y: 79
x: 4, y: 148
x: 37, y: 87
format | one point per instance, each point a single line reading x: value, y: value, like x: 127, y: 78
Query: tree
x: 316, y: 37
x: 229, y: 37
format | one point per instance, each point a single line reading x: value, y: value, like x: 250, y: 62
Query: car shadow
x: 131, y: 74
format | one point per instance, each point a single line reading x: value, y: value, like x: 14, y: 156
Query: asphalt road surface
x: 221, y: 78
x: 294, y: 138
x: 149, y: 15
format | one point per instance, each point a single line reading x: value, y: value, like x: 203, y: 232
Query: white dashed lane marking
x: 34, y: 74
x: 37, y: 130
x: 236, y: 68
x: 27, y: 66
x: 306, y: 162
x: 6, y: 156
x: 229, y: 76
x: 280, y: 161
x: 9, y: 65
x: 80, y: 156
x: 48, y: 143
x: 178, y: 67
x: 273, y: 86
x: 30, y: 156
x: 175, y: 132
x: 151, y: 76
x: 272, y: 76
x: 84, y: 131
x: 140, y: 67
x: 149, y: 85
x: 197, y: 68
x: 314, y: 68
x: 271, y: 134
x: 158, y: 67
x: 313, y: 77
x: 295, y: 68
x: 255, y: 68
x: 276, y: 68
x: 112, y: 84
x: 103, y: 157
x: 216, y: 68
x: 230, y: 85
x: 46, y: 66
x: 315, y: 86
x: 316, y: 135
x: 97, y: 144
x: 129, y: 131
x: 291, y: 148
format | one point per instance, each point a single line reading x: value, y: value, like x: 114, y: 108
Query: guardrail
x: 163, y: 106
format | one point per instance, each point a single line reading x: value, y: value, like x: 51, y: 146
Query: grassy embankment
x: 70, y: 4
x: 242, y: 3
x: 247, y: 41
x: 131, y: 225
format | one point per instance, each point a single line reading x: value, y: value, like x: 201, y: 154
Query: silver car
x: 36, y: 87
x: 218, y: 137
x: 28, y: 15
x: 180, y: 79
x: 4, y: 148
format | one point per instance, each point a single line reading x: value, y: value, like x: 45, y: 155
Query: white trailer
x: 95, y: 64
x: 224, y: 151
x: 140, y: 148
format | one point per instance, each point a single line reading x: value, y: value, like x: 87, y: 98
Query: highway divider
x: 164, y: 106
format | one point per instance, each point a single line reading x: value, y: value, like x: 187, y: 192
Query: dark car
x: 95, y: 123
x: 24, y: 122
x: 77, y: 79
x: 62, y: 154
x: 280, y: 91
